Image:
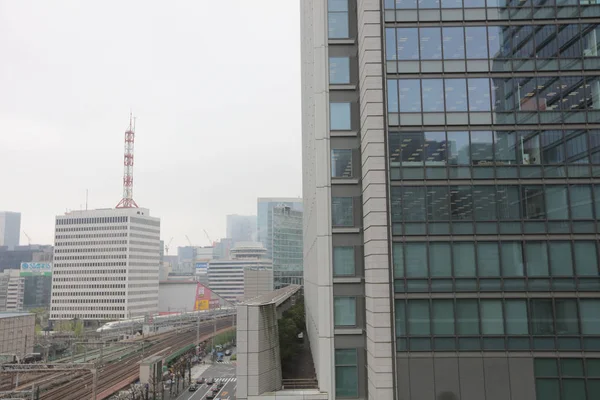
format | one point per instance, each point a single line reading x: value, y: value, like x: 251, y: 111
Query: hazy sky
x: 215, y: 86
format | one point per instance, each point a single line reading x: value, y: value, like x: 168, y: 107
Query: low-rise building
x: 12, y: 290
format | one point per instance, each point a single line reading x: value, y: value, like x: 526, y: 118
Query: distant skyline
x: 217, y: 107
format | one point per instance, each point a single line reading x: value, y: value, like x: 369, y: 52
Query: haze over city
x: 218, y: 109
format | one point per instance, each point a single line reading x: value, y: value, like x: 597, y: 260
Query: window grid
x: 466, y: 326
x: 567, y: 378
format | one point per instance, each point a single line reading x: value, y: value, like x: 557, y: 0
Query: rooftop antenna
x: 127, y: 200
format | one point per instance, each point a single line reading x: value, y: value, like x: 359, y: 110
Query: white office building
x: 12, y: 290
x: 10, y: 228
x: 226, y: 277
x: 106, y: 264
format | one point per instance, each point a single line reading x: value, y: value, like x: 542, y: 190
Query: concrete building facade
x: 451, y: 198
x: 17, y: 333
x: 12, y: 290
x: 106, y: 264
x: 10, y: 228
x: 257, y: 281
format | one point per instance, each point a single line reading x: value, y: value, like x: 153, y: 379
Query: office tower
x: 10, y: 228
x: 450, y: 174
x: 241, y: 228
x: 226, y: 277
x: 265, y: 207
x: 106, y: 264
x: 285, y: 239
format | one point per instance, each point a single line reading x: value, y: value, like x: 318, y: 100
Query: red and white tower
x: 127, y: 200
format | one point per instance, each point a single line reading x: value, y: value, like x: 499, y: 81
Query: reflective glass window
x: 586, y: 258
x: 461, y: 203
x: 512, y: 259
x: 433, y: 95
x: 346, y: 373
x: 590, y: 41
x: 484, y: 200
x: 340, y: 116
x: 482, y: 147
x: 492, y: 318
x: 451, y: 3
x: 547, y: 389
x: 505, y: 146
x: 418, y: 317
x: 502, y: 94
x: 416, y: 260
x: 343, y: 261
x: 464, y: 259
x: 590, y: 317
x: 553, y: 150
x: 339, y: 70
x: 508, y: 202
x: 467, y: 317
x: 556, y: 202
x: 454, y: 43
x: 458, y: 148
x: 344, y: 311
x: 536, y: 255
x: 479, y: 95
x: 413, y: 203
x: 516, y: 317
x: 474, y: 3
x: 342, y: 211
x: 456, y: 94
x: 581, y: 201
x: 392, y: 93
x: 398, y: 259
x: 592, y: 93
x: 488, y: 259
x: 567, y: 322
x: 338, y: 19
x: 406, y: 4
x: 408, y: 43
x: 443, y: 317
x: 431, y: 43
x: 572, y: 93
x: 561, y: 259
x: 569, y: 48
x: 390, y: 44
x: 400, y: 311
x: 523, y: 41
x: 476, y: 39
x: 410, y: 95
x: 435, y: 147
x: 412, y: 144
x: 440, y: 260
x: 546, y: 41
x: 438, y: 203
x: 577, y: 145
x: 531, y: 153
x: 497, y: 39
x: 429, y: 3
x: 341, y: 163
x: 533, y: 202
x: 542, y: 317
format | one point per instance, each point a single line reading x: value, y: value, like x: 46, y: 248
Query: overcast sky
x: 215, y: 86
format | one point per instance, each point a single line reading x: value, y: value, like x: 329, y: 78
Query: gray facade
x: 450, y: 171
x: 241, y: 228
x: 10, y: 228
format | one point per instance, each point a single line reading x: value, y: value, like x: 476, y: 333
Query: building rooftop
x: 5, y: 314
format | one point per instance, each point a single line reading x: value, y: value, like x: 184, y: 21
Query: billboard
x: 36, y: 269
x: 204, y: 299
x: 201, y: 268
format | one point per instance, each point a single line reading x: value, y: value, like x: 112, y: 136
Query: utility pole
x: 197, y: 329
x: 94, y: 382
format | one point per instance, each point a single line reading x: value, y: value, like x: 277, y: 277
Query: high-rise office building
x: 241, y: 228
x: 285, y: 240
x: 10, y: 228
x: 265, y: 207
x: 106, y: 264
x: 451, y: 157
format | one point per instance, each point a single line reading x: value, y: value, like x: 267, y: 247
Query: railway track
x: 80, y: 388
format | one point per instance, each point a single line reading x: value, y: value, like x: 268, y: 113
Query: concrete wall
x: 258, y: 357
x: 318, y: 285
x: 257, y: 282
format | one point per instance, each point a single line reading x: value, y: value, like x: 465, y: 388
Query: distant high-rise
x: 241, y: 228
x: 265, y: 207
x: 10, y: 228
x: 106, y: 264
x: 285, y: 242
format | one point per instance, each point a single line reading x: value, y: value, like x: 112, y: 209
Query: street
x: 221, y: 372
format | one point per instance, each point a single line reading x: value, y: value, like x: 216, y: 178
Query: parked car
x: 193, y: 388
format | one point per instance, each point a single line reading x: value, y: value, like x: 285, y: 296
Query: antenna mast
x: 127, y: 200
